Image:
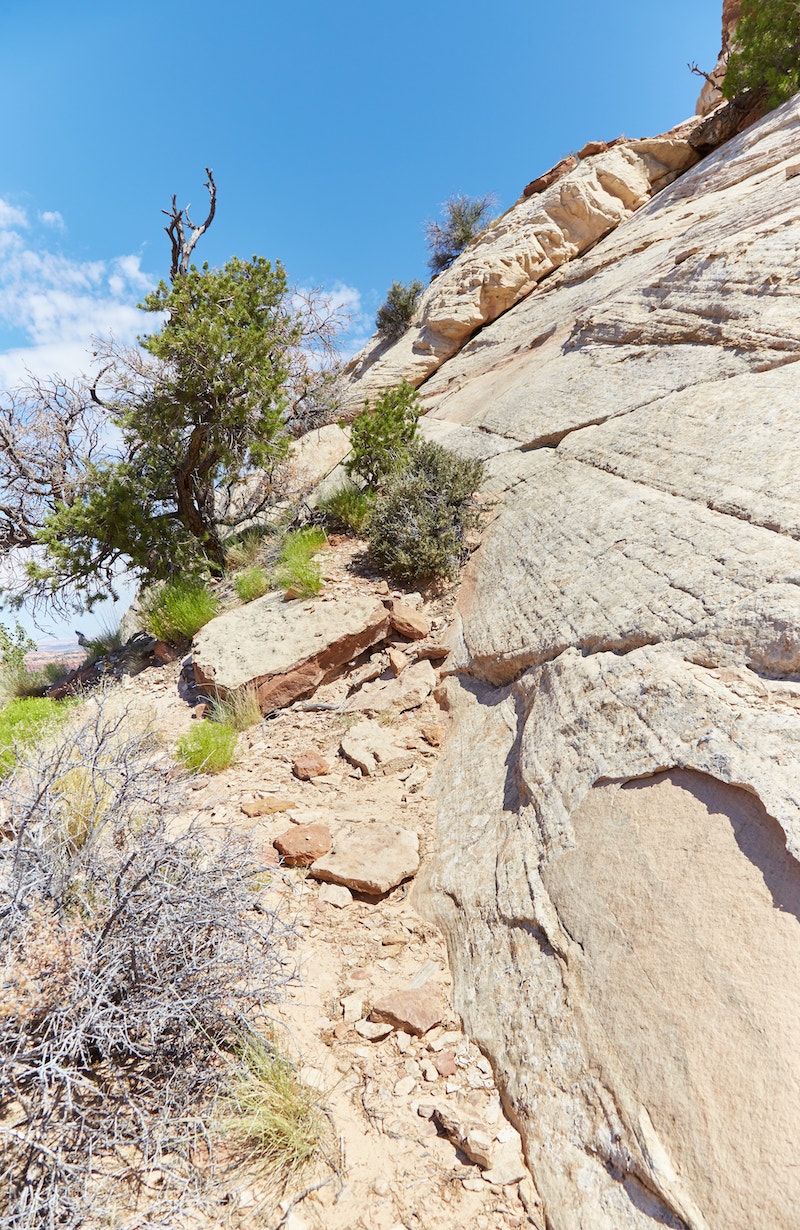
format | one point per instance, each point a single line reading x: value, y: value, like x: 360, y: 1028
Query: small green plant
x: 23, y: 722
x: 419, y: 527
x: 54, y: 672
x: 105, y: 641
x: 382, y: 435
x: 250, y: 584
x: 245, y: 550
x: 463, y: 218
x: 766, y: 51
x: 394, y: 314
x: 15, y: 677
x: 239, y: 709
x: 298, y: 572
x: 272, y: 1117
x: 208, y: 747
x: 348, y: 508
x: 178, y: 609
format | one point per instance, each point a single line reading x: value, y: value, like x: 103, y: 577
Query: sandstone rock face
x: 710, y: 94
x: 619, y: 826
x: 503, y: 265
x: 284, y: 650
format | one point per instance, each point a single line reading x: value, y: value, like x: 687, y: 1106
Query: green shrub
x: 22, y: 723
x: 464, y: 217
x: 297, y: 569
x: 418, y: 530
x: 766, y: 54
x: 178, y: 610
x: 394, y: 314
x: 15, y: 677
x: 382, y: 435
x: 250, y: 584
x: 208, y: 747
x: 348, y: 508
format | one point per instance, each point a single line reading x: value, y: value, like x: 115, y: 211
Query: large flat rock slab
x: 284, y: 650
x: 370, y: 858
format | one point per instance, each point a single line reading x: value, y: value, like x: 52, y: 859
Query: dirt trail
x: 389, y: 1163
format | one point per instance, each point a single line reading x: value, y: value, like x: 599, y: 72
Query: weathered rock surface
x: 371, y: 749
x: 619, y: 821
x: 284, y: 650
x: 405, y: 691
x: 532, y: 239
x: 370, y: 858
x: 415, y: 1011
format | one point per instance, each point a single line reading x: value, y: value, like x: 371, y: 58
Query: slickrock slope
x: 619, y: 816
x: 503, y: 265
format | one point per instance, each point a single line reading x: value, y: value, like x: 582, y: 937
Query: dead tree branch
x: 179, y: 220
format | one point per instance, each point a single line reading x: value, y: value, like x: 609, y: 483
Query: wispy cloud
x: 56, y: 303
x: 51, y: 217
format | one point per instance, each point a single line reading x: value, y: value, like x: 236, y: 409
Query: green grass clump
x: 348, y: 508
x: 240, y: 709
x: 250, y: 584
x: 208, y: 747
x: 298, y: 572
x: 22, y: 723
x: 271, y: 1115
x: 245, y: 550
x: 178, y: 610
x: 105, y: 641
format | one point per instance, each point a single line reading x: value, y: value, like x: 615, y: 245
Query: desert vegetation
x: 394, y: 314
x: 766, y: 51
x: 137, y: 964
x: 463, y: 218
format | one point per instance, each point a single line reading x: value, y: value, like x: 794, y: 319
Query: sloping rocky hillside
x: 619, y: 811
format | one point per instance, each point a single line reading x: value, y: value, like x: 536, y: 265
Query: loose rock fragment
x: 267, y: 805
x: 372, y: 1031
x: 370, y: 858
x: 336, y: 895
x: 310, y: 764
x: 408, y: 622
x: 369, y: 747
x: 304, y: 844
x: 413, y: 1011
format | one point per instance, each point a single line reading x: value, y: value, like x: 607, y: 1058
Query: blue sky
x: 334, y: 131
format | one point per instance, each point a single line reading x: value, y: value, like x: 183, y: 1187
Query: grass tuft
x: 348, y: 508
x: 178, y: 610
x: 271, y: 1115
x: 208, y: 747
x: 250, y: 584
x: 298, y: 572
x: 240, y: 710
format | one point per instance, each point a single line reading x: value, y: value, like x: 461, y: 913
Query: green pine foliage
x: 420, y: 524
x: 382, y: 435
x: 766, y: 55
x: 394, y: 314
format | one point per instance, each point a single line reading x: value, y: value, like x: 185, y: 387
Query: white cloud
x: 51, y: 217
x: 60, y: 304
x: 10, y: 216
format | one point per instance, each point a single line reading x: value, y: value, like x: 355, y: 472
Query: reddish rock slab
x: 550, y: 177
x: 310, y: 764
x: 303, y: 844
x: 415, y: 1012
x: 285, y: 650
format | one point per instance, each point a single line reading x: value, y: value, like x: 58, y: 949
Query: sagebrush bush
x: 463, y: 218
x: 298, y: 572
x: 15, y: 677
x: 348, y: 508
x: 251, y: 584
x: 132, y: 960
x: 394, y: 314
x: 178, y: 609
x: 208, y: 747
x: 381, y: 436
x: 419, y: 526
